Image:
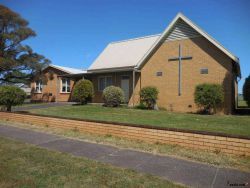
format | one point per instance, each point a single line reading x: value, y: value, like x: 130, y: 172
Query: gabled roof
x: 124, y: 54
x: 135, y: 52
x: 68, y: 70
x: 195, y: 27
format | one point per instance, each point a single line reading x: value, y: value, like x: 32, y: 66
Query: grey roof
x: 68, y: 70
x: 134, y: 52
x: 125, y: 53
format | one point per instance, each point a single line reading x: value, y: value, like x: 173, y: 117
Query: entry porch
x: 126, y: 80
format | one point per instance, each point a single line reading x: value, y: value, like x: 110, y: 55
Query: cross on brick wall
x: 180, y: 58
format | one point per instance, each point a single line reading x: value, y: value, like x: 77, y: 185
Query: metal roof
x: 135, y: 52
x: 125, y: 53
x: 68, y: 70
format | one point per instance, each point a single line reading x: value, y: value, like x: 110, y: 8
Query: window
x: 158, y: 73
x: 204, y: 71
x: 65, y: 85
x: 39, y: 86
x: 104, y: 82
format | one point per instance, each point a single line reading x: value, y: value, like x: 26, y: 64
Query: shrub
x: 83, y: 91
x: 113, y: 96
x: 141, y: 106
x: 149, y: 96
x: 246, y: 90
x: 11, y: 96
x: 209, y: 97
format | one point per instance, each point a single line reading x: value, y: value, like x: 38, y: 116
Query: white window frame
x: 66, y: 85
x: 105, y: 82
x: 40, y: 86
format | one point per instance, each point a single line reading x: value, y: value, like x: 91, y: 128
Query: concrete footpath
x: 177, y: 170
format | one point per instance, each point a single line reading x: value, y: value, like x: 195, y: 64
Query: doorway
x: 125, y: 87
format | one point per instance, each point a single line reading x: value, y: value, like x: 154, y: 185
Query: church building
x: 175, y: 62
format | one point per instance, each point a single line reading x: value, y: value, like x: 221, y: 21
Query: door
x: 125, y: 87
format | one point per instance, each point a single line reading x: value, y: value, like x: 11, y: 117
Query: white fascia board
x: 157, y: 42
x: 208, y: 37
x: 115, y: 69
x: 199, y: 30
x: 55, y: 67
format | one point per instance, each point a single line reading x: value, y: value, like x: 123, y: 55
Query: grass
x: 236, y: 125
x: 242, y: 102
x: 212, y: 158
x: 27, y: 105
x: 23, y: 165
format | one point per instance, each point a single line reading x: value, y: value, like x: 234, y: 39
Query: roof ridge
x: 137, y: 38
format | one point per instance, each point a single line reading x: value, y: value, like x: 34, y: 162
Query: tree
x: 11, y: 96
x: 246, y: 90
x: 149, y: 96
x: 18, y: 62
x: 209, y: 97
x: 113, y: 96
x: 83, y: 91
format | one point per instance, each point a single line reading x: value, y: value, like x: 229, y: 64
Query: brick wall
x: 204, y: 55
x: 223, y: 144
x: 52, y: 86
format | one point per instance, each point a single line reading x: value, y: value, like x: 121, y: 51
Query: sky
x: 74, y: 32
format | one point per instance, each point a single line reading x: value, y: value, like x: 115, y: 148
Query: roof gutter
x: 94, y: 71
x: 72, y: 75
x: 116, y: 69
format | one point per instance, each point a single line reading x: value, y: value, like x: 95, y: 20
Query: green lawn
x: 23, y: 165
x: 237, y: 125
x: 242, y: 102
x: 213, y: 158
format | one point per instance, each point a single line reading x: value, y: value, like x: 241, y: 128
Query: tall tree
x: 18, y: 62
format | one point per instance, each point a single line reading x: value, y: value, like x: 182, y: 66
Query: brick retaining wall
x: 229, y: 145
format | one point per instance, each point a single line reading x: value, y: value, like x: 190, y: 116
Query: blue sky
x: 73, y: 33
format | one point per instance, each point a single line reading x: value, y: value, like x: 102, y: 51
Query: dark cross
x: 180, y: 57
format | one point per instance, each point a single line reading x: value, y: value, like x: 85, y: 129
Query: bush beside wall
x: 209, y: 97
x: 113, y: 96
x: 148, y: 96
x: 83, y: 91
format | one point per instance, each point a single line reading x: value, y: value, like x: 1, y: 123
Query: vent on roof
x: 182, y: 30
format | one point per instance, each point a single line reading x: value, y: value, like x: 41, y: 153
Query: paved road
x: 176, y: 170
